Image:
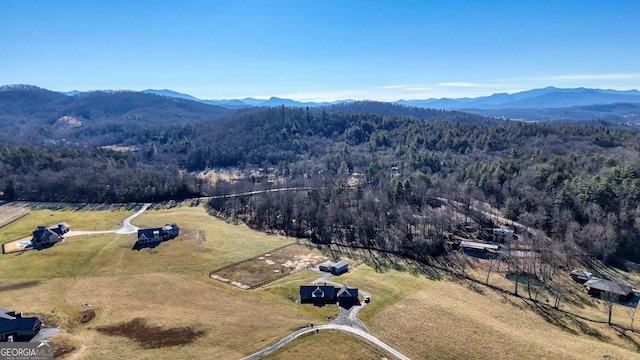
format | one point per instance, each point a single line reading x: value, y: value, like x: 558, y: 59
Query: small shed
x: 599, y: 287
x: 340, y: 267
x: 580, y: 276
x: 325, y: 266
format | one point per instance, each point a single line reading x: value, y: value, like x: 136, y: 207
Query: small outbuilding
x: 580, y: 276
x: 599, y: 287
x: 338, y: 268
x: 478, y: 247
x: 16, y: 327
x: 325, y: 266
x: 502, y: 233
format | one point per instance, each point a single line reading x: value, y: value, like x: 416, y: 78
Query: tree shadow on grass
x: 554, y: 318
x: 382, y: 263
x: 623, y: 334
x: 565, y: 321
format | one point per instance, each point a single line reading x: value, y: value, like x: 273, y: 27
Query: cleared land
x: 269, y: 266
x: 10, y: 213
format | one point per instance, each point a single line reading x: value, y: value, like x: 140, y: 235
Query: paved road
x: 45, y: 333
x: 346, y: 321
x: 256, y: 192
x: 127, y: 227
x: 374, y: 340
x: 347, y: 317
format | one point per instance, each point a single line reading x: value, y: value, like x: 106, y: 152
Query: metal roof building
x: 597, y: 286
x: 339, y: 268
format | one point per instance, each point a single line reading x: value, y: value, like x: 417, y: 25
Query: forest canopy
x: 577, y: 182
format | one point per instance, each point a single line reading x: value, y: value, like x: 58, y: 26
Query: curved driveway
x: 346, y: 321
x: 345, y: 328
x: 127, y: 227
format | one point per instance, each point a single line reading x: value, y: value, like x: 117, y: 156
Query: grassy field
x: 167, y: 286
x: 422, y: 313
x: 458, y: 321
x: 428, y: 318
x: 78, y: 220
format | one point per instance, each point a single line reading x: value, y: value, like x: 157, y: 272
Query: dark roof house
x: 60, y: 228
x: 599, y: 287
x: 347, y: 295
x: 167, y: 232
x: 324, y: 294
x: 317, y: 294
x: 19, y: 328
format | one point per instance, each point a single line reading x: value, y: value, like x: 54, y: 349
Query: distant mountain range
x: 549, y: 103
x: 549, y: 97
x: 545, y: 104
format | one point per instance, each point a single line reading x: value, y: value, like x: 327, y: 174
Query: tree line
x: 577, y: 182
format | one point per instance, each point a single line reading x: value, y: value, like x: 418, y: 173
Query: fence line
x: 250, y: 258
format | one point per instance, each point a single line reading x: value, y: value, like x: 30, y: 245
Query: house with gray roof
x: 167, y: 232
x: 600, y: 287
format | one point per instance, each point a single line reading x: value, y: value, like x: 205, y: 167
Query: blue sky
x: 320, y: 50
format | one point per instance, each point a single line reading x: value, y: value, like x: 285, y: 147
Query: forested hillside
x: 578, y: 183
x: 30, y: 115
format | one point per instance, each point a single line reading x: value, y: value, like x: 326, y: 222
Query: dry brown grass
x: 271, y: 265
x: 574, y: 299
x: 329, y: 344
x: 452, y: 321
x: 167, y: 286
x: 225, y: 314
